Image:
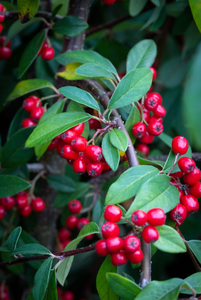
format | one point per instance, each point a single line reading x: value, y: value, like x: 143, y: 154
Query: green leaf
x: 136, y: 6
x: 169, y: 240
x: 31, y: 249
x: 142, y: 55
x: 13, y: 152
x: 91, y: 70
x: 65, y: 266
x: 27, y: 86
x: 166, y: 139
x: 80, y: 96
x: 41, y: 279
x: 122, y: 286
x: 171, y: 158
x: 156, y: 192
x: 54, y: 126
x: 128, y: 184
x: 11, y: 185
x: 13, y: 238
x: 31, y: 52
x: 156, y: 2
x: 27, y: 9
x: 144, y: 161
x: 133, y: 118
x: 70, y: 26
x: 61, y: 183
x: 118, y: 139
x: 16, y: 122
x: 68, y: 72
x: 51, y: 292
x: 195, y: 282
x: 110, y: 153
x: 104, y: 290
x: 131, y: 88
x: 196, y: 11
x: 195, y: 248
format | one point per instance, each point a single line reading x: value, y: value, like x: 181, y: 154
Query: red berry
x: 178, y: 214
x: 38, y: 204
x: 68, y: 135
x: 179, y: 145
x: 21, y: 201
x: 191, y: 203
x: 68, y: 153
x: 109, y: 2
x: 2, y: 17
x: 139, y: 130
x: 151, y: 102
x: 79, y: 144
x: 110, y: 229
x: 192, y: 177
x: 26, y: 211
x: 78, y: 128
x: 83, y: 156
x: 156, y: 217
x: 64, y: 234
x: 1, y: 7
x: 155, y: 128
x: 68, y: 295
x: 5, y: 53
x: 195, y: 190
x: 28, y: 123
x: 94, y: 124
x: 79, y: 166
x: 159, y: 111
x: 112, y: 213
x: 71, y: 222
x: 75, y: 206
x: 64, y: 244
x: 89, y: 237
x: 150, y: 234
x: 1, y: 28
x: 156, y: 96
x: 131, y: 244
x: 118, y: 259
x: 139, y: 217
x: 59, y: 292
x: 154, y: 119
x: 2, y: 212
x: 31, y: 102
x: 53, y: 145
x: 154, y: 73
x: 44, y: 46
x: 186, y: 164
x: 101, y: 248
x: 82, y: 222
x: 2, y: 41
x: 7, y: 202
x: 36, y: 113
x: 143, y: 148
x: 147, y: 138
x: 178, y: 174
x: 47, y: 53
x: 106, y: 167
x: 136, y: 257
x: 114, y: 244
x: 94, y: 170
x: 94, y: 153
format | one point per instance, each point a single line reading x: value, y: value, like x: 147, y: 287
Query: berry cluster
x: 5, y: 51
x: 33, y: 105
x: 46, y: 51
x: 187, y: 181
x: 2, y: 17
x: 23, y: 203
x: 66, y: 295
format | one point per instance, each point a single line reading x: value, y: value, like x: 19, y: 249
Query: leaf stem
x: 33, y: 183
x: 175, y: 162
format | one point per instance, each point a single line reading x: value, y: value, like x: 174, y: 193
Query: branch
x: 40, y: 14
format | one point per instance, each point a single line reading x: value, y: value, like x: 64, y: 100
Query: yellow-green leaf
x: 195, y: 6
x: 68, y: 72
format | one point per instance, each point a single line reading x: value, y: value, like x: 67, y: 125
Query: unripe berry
x: 101, y: 248
x: 79, y: 144
x: 156, y: 217
x: 79, y: 166
x: 131, y: 244
x: 155, y: 128
x: 159, y: 111
x: 112, y: 213
x: 38, y: 204
x: 186, y: 164
x: 78, y: 128
x: 118, y: 259
x: 64, y: 234
x: 178, y: 214
x: 28, y: 123
x: 195, y: 190
x: 75, y: 206
x: 191, y: 203
x: 2, y: 212
x: 82, y: 222
x: 139, y: 130
x: 71, y: 222
x: 94, y: 153
x: 143, y: 148
x: 47, y: 53
x: 147, y: 138
x: 7, y: 202
x: 192, y: 177
x: 139, y: 217
x: 179, y: 145
x: 5, y: 53
x: 110, y: 229
x: 150, y: 234
x: 136, y: 257
x: 26, y: 211
x: 94, y: 170
x: 154, y: 73
x: 114, y: 244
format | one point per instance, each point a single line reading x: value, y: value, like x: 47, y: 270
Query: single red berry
x: 106, y: 167
x: 178, y: 174
x: 146, y: 113
x: 186, y: 164
x: 155, y: 128
x: 154, y: 73
x: 1, y: 7
x: 192, y: 177
x: 157, y: 96
x: 154, y: 119
x: 53, y: 145
x: 147, y: 138
x: 112, y: 213
x: 151, y: 102
x: 191, y: 203
x: 26, y: 211
x: 94, y: 153
x: 1, y: 28
x: 139, y: 217
x: 44, y: 46
x: 178, y: 214
x: 2, y: 17
x: 131, y: 244
x: 114, y: 244
x: 36, y: 113
x: 109, y: 2
x: 89, y: 237
x: 101, y: 248
x: 2, y: 212
x: 75, y: 206
x: 143, y: 148
x: 179, y: 145
x: 21, y: 201
x: 150, y: 234
x: 2, y: 41
x: 94, y: 124
x: 195, y: 190
x: 68, y: 135
x: 70, y: 161
x: 71, y: 222
x: 64, y: 244
x: 31, y: 102
x: 79, y: 166
x: 94, y: 170
x: 68, y: 295
x: 118, y: 259
x: 156, y: 217
x: 47, y: 53
x: 82, y: 222
x: 78, y: 128
x: 28, y: 123
x: 5, y: 53
x: 68, y: 153
x: 136, y: 257
x: 7, y: 202
x: 64, y: 234
x: 38, y: 204
x: 139, y: 130
x: 181, y: 193
x: 79, y: 144
x: 159, y: 111
x: 110, y: 229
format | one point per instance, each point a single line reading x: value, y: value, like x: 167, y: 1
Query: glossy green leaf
x: 128, y: 184
x: 133, y: 118
x: 169, y: 240
x: 144, y: 161
x: 41, y: 279
x: 196, y: 11
x: 195, y: 282
x: 31, y: 52
x: 27, y: 9
x: 195, y: 248
x: 92, y: 70
x: 131, y: 88
x: 136, y: 6
x: 54, y: 126
x: 166, y: 139
x: 11, y: 185
x: 70, y: 26
x: 31, y: 249
x: 118, y: 139
x: 156, y: 13
x: 61, y: 183
x: 80, y: 96
x: 51, y: 292
x: 104, y: 290
x: 13, y: 152
x: 110, y: 153
x: 27, y: 86
x: 13, y: 238
x: 156, y: 192
x: 122, y: 286
x: 142, y: 55
x: 64, y: 267
x: 16, y: 122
